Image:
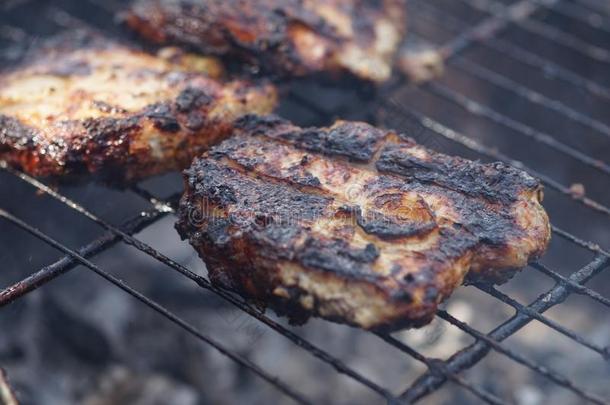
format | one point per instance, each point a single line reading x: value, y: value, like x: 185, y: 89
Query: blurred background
x: 524, y: 80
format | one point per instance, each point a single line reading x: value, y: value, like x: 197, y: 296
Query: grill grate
x: 485, y: 34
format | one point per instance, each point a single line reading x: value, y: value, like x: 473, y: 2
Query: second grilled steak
x: 294, y: 37
x: 85, y: 105
x: 355, y: 224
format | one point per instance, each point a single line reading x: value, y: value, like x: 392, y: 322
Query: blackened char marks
x: 263, y: 124
x: 493, y: 228
x: 234, y: 146
x: 191, y: 99
x: 103, y: 130
x: 194, y: 103
x: 273, y: 217
x: 492, y: 225
x: 281, y: 237
x: 252, y: 153
x: 356, y: 141
x: 307, y: 180
x: 336, y: 256
x: 228, y: 187
x: 163, y: 117
x: 393, y: 218
x: 217, y: 232
x: 454, y: 242
x: 496, y: 182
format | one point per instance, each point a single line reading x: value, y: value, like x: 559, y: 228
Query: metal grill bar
x: 13, y: 292
x: 548, y: 67
x: 437, y: 367
x: 165, y: 208
x: 551, y: 375
x: 67, y: 263
x: 51, y: 272
x: 471, y: 355
x: 158, y: 308
x: 481, y: 110
x: 486, y: 31
x: 491, y: 26
x: 584, y: 244
x: 603, y: 351
x: 514, y: 51
x: 544, y: 30
x: 508, y: 84
x: 566, y: 39
x: 531, y: 95
x: 577, y: 288
x: 572, y: 10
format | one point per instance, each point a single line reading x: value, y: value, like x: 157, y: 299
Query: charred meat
x: 294, y: 37
x: 90, y: 106
x: 355, y: 224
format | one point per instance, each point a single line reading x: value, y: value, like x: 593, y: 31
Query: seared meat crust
x: 355, y: 224
x: 86, y: 105
x: 295, y: 37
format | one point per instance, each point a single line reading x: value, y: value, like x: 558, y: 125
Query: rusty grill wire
x: 499, y: 17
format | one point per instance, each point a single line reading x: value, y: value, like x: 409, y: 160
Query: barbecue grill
x: 526, y: 83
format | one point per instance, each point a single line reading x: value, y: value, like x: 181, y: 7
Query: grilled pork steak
x: 294, y: 37
x: 354, y: 224
x: 87, y: 105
